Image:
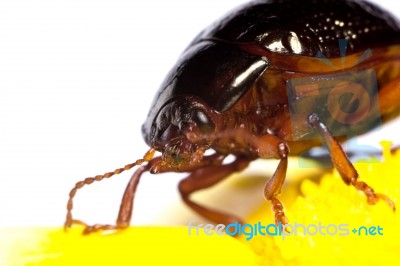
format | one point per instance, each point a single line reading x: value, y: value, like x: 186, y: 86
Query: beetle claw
x: 69, y: 223
x: 385, y: 198
x: 373, y: 197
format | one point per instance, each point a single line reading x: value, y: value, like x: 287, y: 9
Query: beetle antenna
x: 89, y: 180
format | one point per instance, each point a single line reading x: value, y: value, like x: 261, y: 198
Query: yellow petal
x: 133, y: 246
x: 331, y: 202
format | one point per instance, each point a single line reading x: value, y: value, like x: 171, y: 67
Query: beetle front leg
x: 266, y: 147
x: 273, y: 188
x: 269, y: 146
x: 344, y: 166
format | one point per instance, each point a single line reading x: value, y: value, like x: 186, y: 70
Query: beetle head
x: 170, y: 129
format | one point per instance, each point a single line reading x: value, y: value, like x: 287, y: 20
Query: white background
x: 76, y: 81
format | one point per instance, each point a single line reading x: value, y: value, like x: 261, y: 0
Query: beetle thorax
x: 262, y: 110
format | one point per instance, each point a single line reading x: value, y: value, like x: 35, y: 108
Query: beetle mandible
x: 228, y: 93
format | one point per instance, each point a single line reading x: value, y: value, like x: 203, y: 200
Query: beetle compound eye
x: 203, y: 122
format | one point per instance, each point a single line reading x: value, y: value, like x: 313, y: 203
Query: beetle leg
x: 207, y: 177
x: 270, y: 146
x: 273, y: 188
x: 154, y: 166
x: 343, y: 165
x: 267, y: 146
x: 274, y: 185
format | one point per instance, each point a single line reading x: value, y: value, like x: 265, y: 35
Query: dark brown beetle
x: 228, y: 92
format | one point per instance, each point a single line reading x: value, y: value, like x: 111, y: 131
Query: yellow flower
x: 330, y: 203
x: 326, y: 205
x: 134, y: 246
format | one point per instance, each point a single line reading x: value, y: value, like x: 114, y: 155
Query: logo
x: 345, y: 101
x: 282, y: 231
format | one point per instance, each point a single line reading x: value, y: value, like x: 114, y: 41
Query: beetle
x: 228, y: 93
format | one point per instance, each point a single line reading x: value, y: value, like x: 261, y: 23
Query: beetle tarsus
x: 372, y: 197
x: 278, y: 209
